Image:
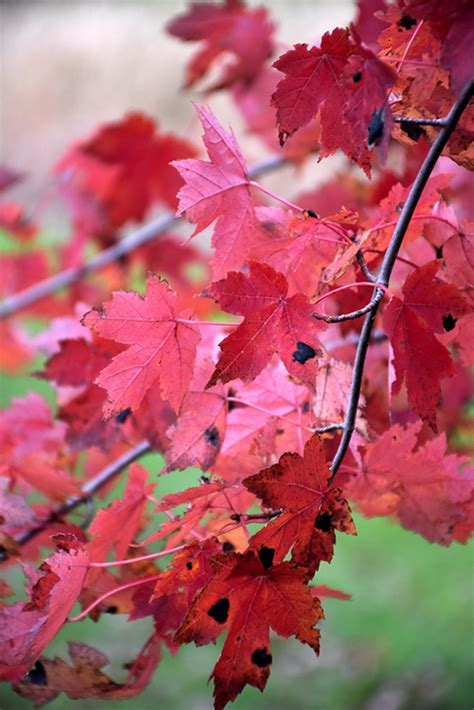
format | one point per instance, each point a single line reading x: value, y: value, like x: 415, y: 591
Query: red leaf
x: 160, y: 347
x: 26, y: 629
x: 117, y: 526
x: 228, y: 28
x: 343, y: 81
x: 313, y: 507
x: 246, y: 597
x: 427, y: 489
x: 273, y: 323
x: 429, y: 306
x: 117, y: 175
x: 219, y: 190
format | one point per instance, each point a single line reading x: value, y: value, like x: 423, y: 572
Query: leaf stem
x: 289, y: 204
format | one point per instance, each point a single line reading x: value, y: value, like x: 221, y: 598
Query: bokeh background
x: 405, y: 640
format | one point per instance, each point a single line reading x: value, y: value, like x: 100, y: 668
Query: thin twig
x: 21, y: 300
x: 374, y: 301
x: 364, y: 268
x: 440, y: 122
x: 327, y: 428
x: 389, y: 262
x: 92, y: 486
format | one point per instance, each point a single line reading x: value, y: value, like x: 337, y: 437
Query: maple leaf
x: 219, y: 189
x: 247, y: 596
x: 429, y: 306
x: 228, y: 28
x: 85, y: 679
x: 197, y: 436
x: 273, y: 322
x: 160, y: 347
x: 343, y: 81
x: 313, y: 507
x: 427, y: 489
x: 117, y: 174
x: 27, y: 628
x: 116, y: 526
x: 32, y: 447
x: 14, y: 512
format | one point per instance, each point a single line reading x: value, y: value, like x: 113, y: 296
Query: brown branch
x: 21, y: 300
x: 389, y: 260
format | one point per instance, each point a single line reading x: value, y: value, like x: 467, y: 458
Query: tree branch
x: 440, y: 122
x: 92, y: 486
x: 388, y: 263
x: 21, y: 300
x: 374, y: 301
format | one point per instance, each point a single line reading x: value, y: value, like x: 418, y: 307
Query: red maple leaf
x: 160, y: 347
x: 116, y: 526
x: 246, y: 597
x: 429, y: 306
x: 313, y: 508
x: 219, y: 189
x: 273, y: 322
x: 26, y: 629
x: 429, y: 490
x: 116, y: 175
x: 343, y: 81
x: 228, y: 28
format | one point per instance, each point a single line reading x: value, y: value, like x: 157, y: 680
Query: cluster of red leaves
x: 256, y: 404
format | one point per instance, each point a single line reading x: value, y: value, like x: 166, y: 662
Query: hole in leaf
x: 439, y: 252
x: 261, y: 657
x: 323, y: 522
x: 212, y: 437
x: 312, y: 213
x: 357, y: 76
x: 449, y: 323
x: 406, y: 22
x: 227, y: 547
x: 220, y: 610
x: 303, y: 353
x: 123, y: 415
x: 37, y: 675
x: 376, y: 128
x: 266, y: 555
x: 412, y: 130
x: 189, y: 565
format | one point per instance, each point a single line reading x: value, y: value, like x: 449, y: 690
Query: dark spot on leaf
x: 220, y: 610
x: 406, y: 22
x: 439, y: 252
x: 323, y: 522
x: 303, y: 353
x: 231, y: 405
x: 37, y: 675
x: 305, y: 408
x: 449, y: 322
x: 123, y: 415
x: 266, y: 555
x: 211, y: 435
x: 399, y: 206
x: 235, y: 517
x: 279, y: 432
x: 112, y: 609
x: 205, y: 480
x: 312, y: 213
x: 261, y: 658
x: 357, y: 76
x: 189, y: 565
x: 3, y: 553
x: 227, y: 547
x: 238, y: 638
x: 412, y: 130
x: 376, y: 128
